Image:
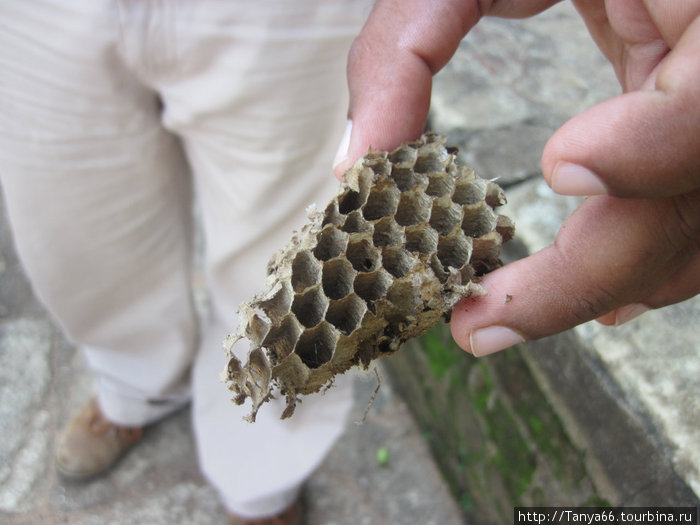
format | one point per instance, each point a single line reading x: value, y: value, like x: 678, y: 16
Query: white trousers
x: 112, y: 116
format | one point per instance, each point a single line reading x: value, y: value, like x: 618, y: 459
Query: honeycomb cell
x: 468, y: 188
x: 277, y: 305
x: 387, y: 233
x: 505, y: 227
x: 413, y: 208
x: 356, y: 223
x: 306, y: 271
x: 337, y: 277
x: 310, y: 307
x: 495, y: 196
x: 396, y: 261
x: 332, y: 215
x: 454, y: 250
x: 403, y: 157
x: 347, y: 313
x: 281, y: 339
x: 432, y: 158
x: 331, y: 243
x: 445, y: 215
x: 421, y: 239
x: 439, y: 185
x: 372, y: 286
x: 478, y: 219
x: 382, y: 202
x: 405, y: 296
x: 363, y: 256
x: 354, y: 200
x: 315, y: 346
x: 406, y: 179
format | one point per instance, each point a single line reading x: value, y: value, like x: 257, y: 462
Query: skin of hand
x: 634, y: 243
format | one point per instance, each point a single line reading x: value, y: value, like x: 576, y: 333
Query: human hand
x: 633, y: 245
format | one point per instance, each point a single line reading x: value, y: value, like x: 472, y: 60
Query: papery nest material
x: 403, y: 241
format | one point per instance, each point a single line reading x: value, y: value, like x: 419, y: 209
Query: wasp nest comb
x: 390, y: 255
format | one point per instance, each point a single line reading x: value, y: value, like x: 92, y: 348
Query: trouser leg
x: 98, y: 197
x: 260, y: 126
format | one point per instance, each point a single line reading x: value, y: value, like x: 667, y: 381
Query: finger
x: 609, y: 253
x: 682, y: 285
x: 390, y: 68
x: 640, y: 144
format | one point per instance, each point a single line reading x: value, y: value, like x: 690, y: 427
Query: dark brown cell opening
x: 346, y: 314
x: 278, y: 305
x: 281, y: 339
x: 310, y: 307
x: 439, y: 185
x: 396, y: 261
x: 315, y: 346
x: 444, y: 218
x: 420, y: 239
x: 372, y: 286
x: 478, y: 219
x: 306, y: 271
x: 387, y: 233
x: 381, y: 203
x: 337, y: 278
x: 454, y: 251
x: 331, y: 214
x: 331, y: 243
x: 413, y: 208
x: 363, y: 256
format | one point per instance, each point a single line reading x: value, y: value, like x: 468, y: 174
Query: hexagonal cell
x: 331, y: 214
x: 468, y: 188
x: 414, y: 208
x: 396, y: 261
x: 277, y: 306
x: 315, y: 346
x: 454, y: 251
x: 281, y: 339
x: 505, y: 227
x: 495, y: 196
x: 310, y: 307
x: 355, y: 223
x: 431, y: 157
x: 354, y: 200
x: 346, y: 314
x: 382, y: 202
x: 405, y: 296
x: 421, y: 239
x: 404, y: 156
x: 306, y: 271
x: 478, y: 219
x: 331, y: 243
x: 485, y: 255
x: 379, y: 164
x: 372, y: 286
x: 337, y: 278
x: 406, y: 179
x: 387, y: 233
x: 445, y: 215
x: 439, y: 184
x: 362, y: 255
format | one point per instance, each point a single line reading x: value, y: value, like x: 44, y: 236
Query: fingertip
x: 571, y: 179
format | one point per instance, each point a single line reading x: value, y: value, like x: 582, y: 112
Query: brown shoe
x: 90, y: 444
x: 290, y: 516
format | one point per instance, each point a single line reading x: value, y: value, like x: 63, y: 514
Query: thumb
x: 390, y: 69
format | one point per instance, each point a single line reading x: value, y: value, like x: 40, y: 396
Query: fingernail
x: 485, y: 341
x: 629, y: 312
x: 572, y: 179
x: 342, y: 154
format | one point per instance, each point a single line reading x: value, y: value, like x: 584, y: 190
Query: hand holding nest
x: 634, y: 244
